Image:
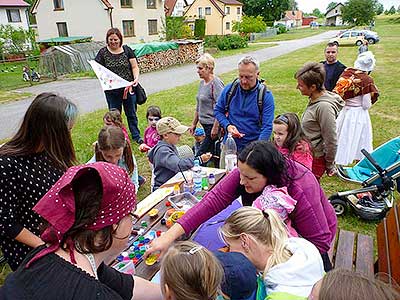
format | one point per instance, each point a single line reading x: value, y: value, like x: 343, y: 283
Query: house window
x: 238, y: 10
x: 152, y: 27
x: 58, y: 4
x: 227, y: 10
x: 200, y: 12
x: 62, y: 29
x: 208, y: 10
x: 191, y: 27
x: 151, y: 4
x: 126, y: 3
x: 13, y: 15
x: 128, y: 27
x: 228, y: 25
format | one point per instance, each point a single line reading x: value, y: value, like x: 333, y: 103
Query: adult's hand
x: 214, y: 131
x: 192, y: 129
x: 161, y: 244
x: 234, y: 131
x: 135, y: 82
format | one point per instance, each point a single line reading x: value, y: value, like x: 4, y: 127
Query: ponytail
x: 265, y: 226
x: 279, y: 238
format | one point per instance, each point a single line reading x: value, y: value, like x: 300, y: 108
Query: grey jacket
x: 319, y: 125
x: 167, y: 163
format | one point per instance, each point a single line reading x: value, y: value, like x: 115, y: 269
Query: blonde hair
x: 191, y: 272
x: 265, y: 226
x: 208, y: 61
x: 341, y: 284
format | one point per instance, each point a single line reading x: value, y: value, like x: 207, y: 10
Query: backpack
x: 262, y: 89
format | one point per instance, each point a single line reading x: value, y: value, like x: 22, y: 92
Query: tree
x: 359, y: 12
x: 249, y: 24
x: 293, y: 5
x: 379, y: 8
x: 330, y: 6
x: 392, y: 10
x: 316, y: 12
x: 270, y: 10
x: 175, y: 28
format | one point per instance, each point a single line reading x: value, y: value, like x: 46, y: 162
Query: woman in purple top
x: 260, y: 163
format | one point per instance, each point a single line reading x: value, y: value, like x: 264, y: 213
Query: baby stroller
x: 379, y: 174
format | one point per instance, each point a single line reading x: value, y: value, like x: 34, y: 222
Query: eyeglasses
x: 155, y: 119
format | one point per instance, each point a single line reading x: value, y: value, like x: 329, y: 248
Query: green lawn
x: 279, y: 77
x: 299, y: 33
x: 251, y: 47
x: 180, y: 102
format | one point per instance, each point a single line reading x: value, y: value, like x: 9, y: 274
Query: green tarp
x: 148, y: 48
x: 65, y: 39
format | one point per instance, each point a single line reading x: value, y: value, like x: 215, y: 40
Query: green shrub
x: 200, y: 28
x: 281, y: 28
x: 226, y: 42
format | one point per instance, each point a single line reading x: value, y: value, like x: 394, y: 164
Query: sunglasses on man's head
x: 153, y: 119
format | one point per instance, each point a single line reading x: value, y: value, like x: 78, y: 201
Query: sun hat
x: 57, y: 206
x: 240, y: 280
x: 170, y: 124
x: 365, y: 61
x: 199, y: 132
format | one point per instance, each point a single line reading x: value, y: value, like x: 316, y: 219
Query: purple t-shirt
x: 151, y: 136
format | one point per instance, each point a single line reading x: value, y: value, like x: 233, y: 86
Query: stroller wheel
x: 339, y: 205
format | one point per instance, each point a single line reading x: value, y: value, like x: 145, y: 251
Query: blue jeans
x: 114, y: 100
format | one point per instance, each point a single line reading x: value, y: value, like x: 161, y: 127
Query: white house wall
x: 24, y: 18
x: 91, y: 18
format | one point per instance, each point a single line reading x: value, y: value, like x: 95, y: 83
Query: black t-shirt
x: 51, y: 277
x: 117, y: 63
x: 24, y: 180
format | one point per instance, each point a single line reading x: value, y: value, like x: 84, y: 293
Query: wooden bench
x: 355, y: 251
x: 388, y: 239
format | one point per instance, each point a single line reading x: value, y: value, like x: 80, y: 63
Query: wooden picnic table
x: 154, y: 223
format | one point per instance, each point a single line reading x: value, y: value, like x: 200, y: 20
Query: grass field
x: 298, y: 33
x: 180, y: 102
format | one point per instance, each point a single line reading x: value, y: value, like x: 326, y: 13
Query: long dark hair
x: 263, y: 157
x: 111, y: 138
x: 88, y: 194
x: 295, y: 132
x: 46, y: 128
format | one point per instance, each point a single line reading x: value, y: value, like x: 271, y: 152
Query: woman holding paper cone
x: 122, y: 61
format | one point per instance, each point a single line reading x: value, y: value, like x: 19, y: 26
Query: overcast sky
x: 309, y: 5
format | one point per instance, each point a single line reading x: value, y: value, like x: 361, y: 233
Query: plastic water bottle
x: 197, y: 176
x: 230, y: 153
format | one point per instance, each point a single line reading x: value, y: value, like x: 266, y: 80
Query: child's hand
x: 144, y: 148
x: 206, y: 157
x: 332, y: 171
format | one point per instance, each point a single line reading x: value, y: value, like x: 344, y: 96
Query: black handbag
x: 140, y: 93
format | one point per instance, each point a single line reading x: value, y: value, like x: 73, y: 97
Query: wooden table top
x: 154, y: 223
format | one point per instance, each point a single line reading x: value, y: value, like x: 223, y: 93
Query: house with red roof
x: 291, y: 19
x: 176, y: 8
x: 14, y: 13
x: 139, y: 21
x: 220, y: 15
